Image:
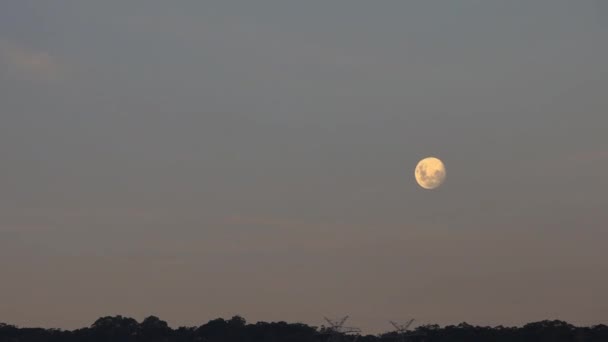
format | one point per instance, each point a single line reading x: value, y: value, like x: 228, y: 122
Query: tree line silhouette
x: 236, y: 329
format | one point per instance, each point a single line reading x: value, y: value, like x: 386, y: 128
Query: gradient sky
x: 197, y: 159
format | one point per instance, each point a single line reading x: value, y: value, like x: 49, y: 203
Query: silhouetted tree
x: 114, y: 329
x: 152, y: 329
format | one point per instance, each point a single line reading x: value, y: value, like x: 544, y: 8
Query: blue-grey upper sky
x: 196, y: 159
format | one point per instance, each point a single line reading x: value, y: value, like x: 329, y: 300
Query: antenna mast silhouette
x: 336, y: 329
x: 403, y: 330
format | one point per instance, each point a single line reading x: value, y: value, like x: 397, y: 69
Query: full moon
x: 430, y: 173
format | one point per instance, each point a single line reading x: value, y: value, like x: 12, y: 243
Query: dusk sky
x: 201, y: 159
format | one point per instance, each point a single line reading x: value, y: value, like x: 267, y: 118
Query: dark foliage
x: 153, y: 329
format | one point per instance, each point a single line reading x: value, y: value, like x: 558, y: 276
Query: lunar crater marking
x: 430, y: 173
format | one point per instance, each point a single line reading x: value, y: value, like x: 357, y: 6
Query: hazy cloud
x: 591, y: 156
x: 28, y: 63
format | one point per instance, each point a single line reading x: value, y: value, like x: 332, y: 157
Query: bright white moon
x: 430, y: 173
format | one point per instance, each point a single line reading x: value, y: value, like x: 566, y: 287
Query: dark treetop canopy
x: 151, y: 329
